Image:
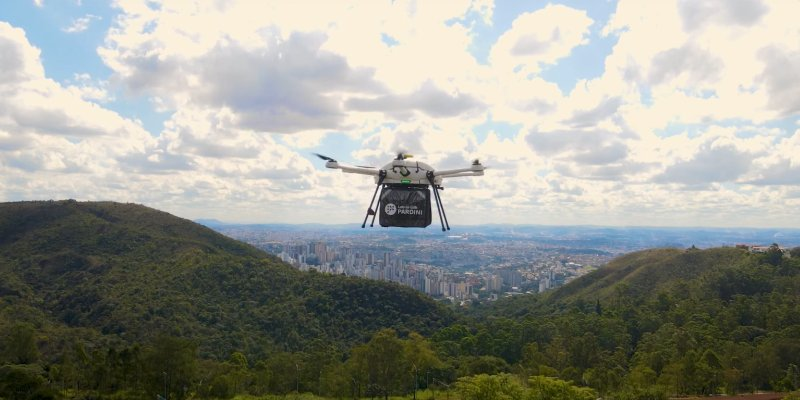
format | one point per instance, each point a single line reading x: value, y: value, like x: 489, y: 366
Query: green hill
x: 123, y: 273
x: 673, y: 321
x: 638, y: 276
x: 647, y: 272
x: 118, y: 300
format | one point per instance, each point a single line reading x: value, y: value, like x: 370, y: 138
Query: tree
x: 20, y: 345
x: 23, y: 382
x: 490, y: 387
x: 774, y: 255
x: 419, y: 356
x: 381, y: 361
x: 546, y: 388
x: 281, y: 370
x: 172, y: 366
x: 239, y: 371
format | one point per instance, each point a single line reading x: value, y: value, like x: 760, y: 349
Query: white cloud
x: 81, y: 24
x: 540, y: 37
x: 695, y: 14
x: 83, y: 86
x: 428, y: 99
x: 56, y: 144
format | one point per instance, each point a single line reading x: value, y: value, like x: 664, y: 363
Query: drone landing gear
x: 370, y: 211
x: 439, y: 204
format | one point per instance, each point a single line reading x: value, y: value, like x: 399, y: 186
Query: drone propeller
x: 326, y: 158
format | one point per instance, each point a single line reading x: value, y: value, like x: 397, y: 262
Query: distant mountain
x: 210, y: 222
x: 644, y: 273
x: 645, y: 277
x: 107, y: 271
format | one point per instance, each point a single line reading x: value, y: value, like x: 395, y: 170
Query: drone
x: 405, y: 195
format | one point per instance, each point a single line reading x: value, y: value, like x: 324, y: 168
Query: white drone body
x: 405, y: 175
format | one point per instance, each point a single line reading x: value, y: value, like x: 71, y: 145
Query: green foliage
x: 381, y: 362
x: 121, y: 301
x: 23, y: 382
x: 18, y: 344
x: 673, y: 322
x: 509, y: 387
x: 792, y: 396
x: 490, y: 387
x: 130, y: 274
x: 546, y: 388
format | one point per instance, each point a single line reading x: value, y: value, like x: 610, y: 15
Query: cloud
x: 585, y: 147
x: 428, y: 99
x: 698, y: 66
x: 19, y: 62
x: 81, y: 24
x: 697, y: 13
x: 541, y: 37
x: 619, y: 170
x: 783, y: 172
x: 782, y: 78
x: 588, y: 118
x: 288, y: 87
x: 86, y: 88
x: 723, y: 163
x: 606, y: 154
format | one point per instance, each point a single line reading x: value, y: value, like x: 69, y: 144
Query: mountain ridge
x: 130, y: 273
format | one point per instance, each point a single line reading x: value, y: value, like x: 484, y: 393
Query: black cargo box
x: 407, y: 206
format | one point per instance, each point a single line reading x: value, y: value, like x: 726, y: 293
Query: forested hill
x: 643, y: 276
x: 677, y: 321
x: 104, y: 273
x: 649, y: 272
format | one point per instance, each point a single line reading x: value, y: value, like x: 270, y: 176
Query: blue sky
x: 676, y: 113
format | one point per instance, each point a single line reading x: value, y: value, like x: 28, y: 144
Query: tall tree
x: 172, y: 366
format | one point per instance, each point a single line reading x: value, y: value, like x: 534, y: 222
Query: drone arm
x: 475, y: 170
x: 457, y: 174
x: 352, y: 170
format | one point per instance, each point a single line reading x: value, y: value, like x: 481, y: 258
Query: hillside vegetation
x: 119, y: 300
x: 669, y: 321
x: 104, y: 275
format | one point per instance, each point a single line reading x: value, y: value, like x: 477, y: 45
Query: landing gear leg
x: 439, y: 205
x: 439, y: 196
x: 381, y: 176
x: 377, y: 209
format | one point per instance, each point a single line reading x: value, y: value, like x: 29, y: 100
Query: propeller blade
x: 364, y: 166
x: 326, y: 158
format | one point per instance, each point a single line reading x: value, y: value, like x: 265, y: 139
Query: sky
x: 619, y: 113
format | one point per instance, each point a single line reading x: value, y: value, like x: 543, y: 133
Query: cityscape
x: 476, y: 263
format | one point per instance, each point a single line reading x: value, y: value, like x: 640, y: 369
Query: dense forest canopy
x: 102, y: 299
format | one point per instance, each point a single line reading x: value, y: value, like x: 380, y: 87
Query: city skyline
x: 606, y: 113
x: 473, y: 267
